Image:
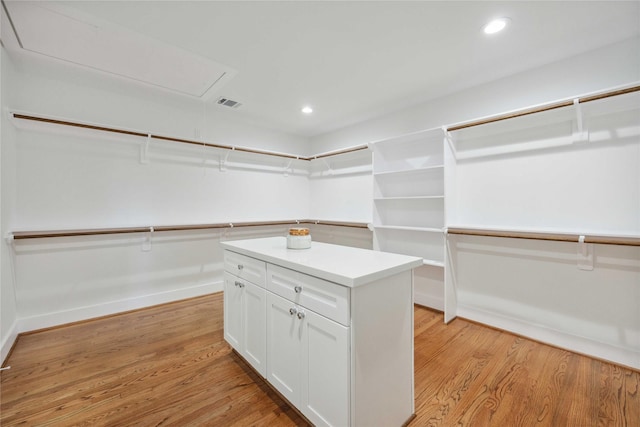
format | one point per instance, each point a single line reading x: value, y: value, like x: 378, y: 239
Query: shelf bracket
x: 326, y: 163
x: 146, y: 244
x: 225, y: 231
x: 287, y: 169
x: 144, y: 151
x: 223, y: 160
x: 580, y: 133
x: 449, y: 138
x: 205, y: 160
x: 585, y: 255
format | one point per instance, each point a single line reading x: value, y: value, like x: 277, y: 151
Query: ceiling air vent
x: 228, y: 102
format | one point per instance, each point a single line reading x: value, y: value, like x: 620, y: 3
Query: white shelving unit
x: 409, y: 206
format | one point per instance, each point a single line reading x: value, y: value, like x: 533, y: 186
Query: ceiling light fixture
x: 496, y: 26
x: 307, y: 110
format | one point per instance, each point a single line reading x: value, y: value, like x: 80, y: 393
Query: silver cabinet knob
x: 239, y: 284
x: 298, y: 289
x: 240, y: 266
x: 293, y: 311
x: 301, y: 315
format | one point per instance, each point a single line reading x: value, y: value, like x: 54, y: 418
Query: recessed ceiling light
x: 496, y: 26
x: 307, y: 110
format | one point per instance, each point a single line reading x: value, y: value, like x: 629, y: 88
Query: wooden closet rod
x: 21, y: 235
x: 184, y: 141
x: 558, y: 237
x: 544, y: 108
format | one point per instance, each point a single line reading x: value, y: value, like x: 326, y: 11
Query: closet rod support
x: 580, y: 134
x: 449, y: 138
x: 146, y: 244
x: 285, y: 171
x: 144, y: 151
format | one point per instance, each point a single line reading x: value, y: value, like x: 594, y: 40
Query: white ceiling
x: 354, y: 60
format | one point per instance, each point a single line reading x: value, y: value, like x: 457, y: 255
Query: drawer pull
x: 301, y: 315
x: 240, y: 266
x: 293, y: 311
x: 298, y: 289
x: 240, y: 284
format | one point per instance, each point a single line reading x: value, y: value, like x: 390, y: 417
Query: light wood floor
x: 169, y: 365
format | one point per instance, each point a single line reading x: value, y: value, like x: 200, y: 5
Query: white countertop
x: 344, y: 265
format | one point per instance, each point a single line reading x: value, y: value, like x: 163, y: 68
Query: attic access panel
x: 69, y: 35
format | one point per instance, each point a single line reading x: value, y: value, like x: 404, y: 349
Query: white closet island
x: 330, y: 327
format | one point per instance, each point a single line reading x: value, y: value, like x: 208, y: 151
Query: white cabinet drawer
x: 246, y: 268
x: 325, y: 298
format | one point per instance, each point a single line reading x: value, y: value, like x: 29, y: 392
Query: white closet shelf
x: 405, y: 228
x: 376, y: 199
x: 433, y: 263
x: 408, y: 171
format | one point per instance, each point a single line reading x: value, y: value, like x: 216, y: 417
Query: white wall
x: 61, y: 280
x: 68, y: 178
x: 71, y: 181
x: 87, y: 181
x: 59, y: 89
x: 530, y: 173
x: 600, y: 69
x: 63, y: 178
x: 536, y: 289
x: 8, y: 309
x: 341, y: 187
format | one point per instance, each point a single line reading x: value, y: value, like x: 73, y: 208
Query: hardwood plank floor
x: 169, y: 365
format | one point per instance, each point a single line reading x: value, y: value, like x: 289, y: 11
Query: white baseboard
x: 48, y: 320
x: 577, y: 344
x: 431, y: 301
x: 8, y: 340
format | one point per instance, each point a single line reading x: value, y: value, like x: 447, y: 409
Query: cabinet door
x: 325, y: 371
x: 283, y: 348
x: 233, y: 312
x: 254, y: 314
